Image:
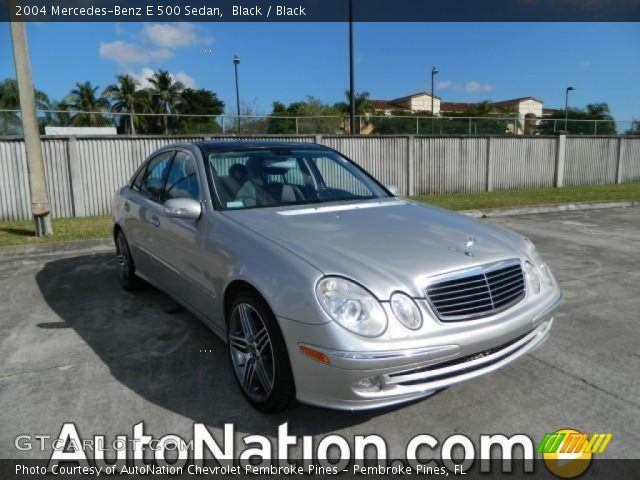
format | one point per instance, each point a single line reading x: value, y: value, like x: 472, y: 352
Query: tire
x: 259, y: 355
x: 126, y: 268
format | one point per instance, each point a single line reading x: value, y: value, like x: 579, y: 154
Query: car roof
x: 227, y: 145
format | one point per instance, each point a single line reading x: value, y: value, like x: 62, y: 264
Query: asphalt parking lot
x: 75, y: 347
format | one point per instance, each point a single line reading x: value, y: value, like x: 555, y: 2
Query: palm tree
x: 483, y: 109
x: 10, y: 100
x: 83, y: 98
x: 166, y: 94
x: 61, y: 117
x: 361, y: 100
x: 124, y: 95
x: 363, y: 105
x: 143, y: 103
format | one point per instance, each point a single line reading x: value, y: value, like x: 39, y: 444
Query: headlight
x: 351, y: 306
x: 545, y: 273
x: 533, y: 279
x: 406, y: 310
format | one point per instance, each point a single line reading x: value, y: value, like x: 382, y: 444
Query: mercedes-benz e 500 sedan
x: 326, y: 287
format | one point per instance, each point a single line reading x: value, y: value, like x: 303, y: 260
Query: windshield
x: 283, y: 176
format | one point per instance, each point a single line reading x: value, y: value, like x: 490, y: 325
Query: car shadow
x: 163, y: 353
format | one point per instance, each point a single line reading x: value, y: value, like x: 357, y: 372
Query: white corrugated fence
x: 83, y: 172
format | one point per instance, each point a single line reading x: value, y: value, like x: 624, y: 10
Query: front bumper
x: 403, y: 375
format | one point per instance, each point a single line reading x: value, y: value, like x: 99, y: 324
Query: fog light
x: 371, y: 384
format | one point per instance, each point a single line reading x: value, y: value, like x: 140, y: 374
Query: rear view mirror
x: 185, y: 208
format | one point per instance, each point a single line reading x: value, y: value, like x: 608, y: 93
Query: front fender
x: 286, y: 281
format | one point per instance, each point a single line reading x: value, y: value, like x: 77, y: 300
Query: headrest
x: 275, y: 170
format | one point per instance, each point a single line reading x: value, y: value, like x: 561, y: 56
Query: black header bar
x: 320, y: 10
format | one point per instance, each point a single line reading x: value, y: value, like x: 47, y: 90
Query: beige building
x: 418, y: 102
x: 527, y: 109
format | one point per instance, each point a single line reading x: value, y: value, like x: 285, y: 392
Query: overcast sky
x: 288, y: 61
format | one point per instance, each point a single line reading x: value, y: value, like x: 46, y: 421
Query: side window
x: 182, y: 180
x: 137, y: 182
x: 153, y: 179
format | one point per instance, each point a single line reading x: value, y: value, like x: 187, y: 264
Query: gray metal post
x: 595, y: 127
x: 489, y: 167
x: 469, y: 126
x: 619, y: 158
x: 224, y: 129
x: 75, y: 174
x: 297, y: 129
x: 37, y: 181
x: 411, y: 166
x: 418, y: 126
x: 560, y: 152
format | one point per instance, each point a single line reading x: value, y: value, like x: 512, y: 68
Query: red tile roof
x: 456, y: 106
x: 384, y: 105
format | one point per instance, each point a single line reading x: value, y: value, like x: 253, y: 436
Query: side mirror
x: 185, y: 208
x: 393, y: 190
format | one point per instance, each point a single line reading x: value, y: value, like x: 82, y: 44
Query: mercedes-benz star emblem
x: 471, y: 241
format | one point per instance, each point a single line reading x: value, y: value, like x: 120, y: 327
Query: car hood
x: 386, y: 245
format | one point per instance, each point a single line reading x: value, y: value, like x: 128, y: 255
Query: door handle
x: 154, y: 220
x: 127, y: 207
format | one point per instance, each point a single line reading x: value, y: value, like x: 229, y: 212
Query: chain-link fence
x: 178, y: 124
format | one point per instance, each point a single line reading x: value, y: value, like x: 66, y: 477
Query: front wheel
x: 259, y: 354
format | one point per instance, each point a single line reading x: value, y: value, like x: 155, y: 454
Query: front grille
x: 477, y: 292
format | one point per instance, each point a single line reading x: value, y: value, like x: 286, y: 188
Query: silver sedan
x: 326, y: 287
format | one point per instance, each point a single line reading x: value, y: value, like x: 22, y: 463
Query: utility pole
x: 434, y: 72
x: 37, y: 182
x: 236, y: 61
x: 352, y: 93
x: 566, y: 108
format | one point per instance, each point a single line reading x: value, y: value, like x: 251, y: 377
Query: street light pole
x: 236, y: 61
x: 566, y: 108
x: 37, y: 182
x: 434, y: 72
x: 352, y: 93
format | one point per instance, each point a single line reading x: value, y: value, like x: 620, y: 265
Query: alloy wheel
x: 251, y: 352
x: 122, y: 255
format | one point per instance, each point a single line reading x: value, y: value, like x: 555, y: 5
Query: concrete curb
x: 97, y: 245
x: 562, y: 207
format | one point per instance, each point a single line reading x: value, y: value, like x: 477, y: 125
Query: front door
x: 179, y: 241
x: 144, y: 215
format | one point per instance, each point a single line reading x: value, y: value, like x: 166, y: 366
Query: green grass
x: 539, y: 196
x: 68, y: 229
x: 65, y: 230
